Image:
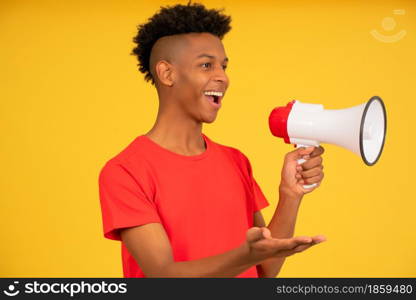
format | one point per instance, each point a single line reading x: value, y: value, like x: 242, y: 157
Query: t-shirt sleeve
x: 123, y: 200
x: 260, y: 200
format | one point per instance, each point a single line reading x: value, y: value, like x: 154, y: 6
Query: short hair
x: 172, y: 20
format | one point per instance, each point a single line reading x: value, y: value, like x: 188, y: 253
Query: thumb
x: 255, y: 233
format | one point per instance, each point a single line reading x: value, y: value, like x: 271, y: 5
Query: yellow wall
x: 71, y: 98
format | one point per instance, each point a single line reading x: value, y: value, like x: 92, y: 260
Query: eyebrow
x: 210, y: 56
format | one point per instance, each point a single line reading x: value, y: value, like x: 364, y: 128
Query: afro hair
x: 172, y: 20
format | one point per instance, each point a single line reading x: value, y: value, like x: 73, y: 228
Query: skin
x: 184, y: 66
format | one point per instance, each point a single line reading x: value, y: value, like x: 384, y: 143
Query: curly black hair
x: 172, y: 20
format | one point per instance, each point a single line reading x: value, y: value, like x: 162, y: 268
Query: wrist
x: 285, y: 192
x: 247, y: 255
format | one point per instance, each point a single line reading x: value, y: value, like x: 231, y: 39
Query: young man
x: 183, y: 205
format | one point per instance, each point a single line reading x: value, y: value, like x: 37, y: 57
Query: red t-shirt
x: 205, y: 202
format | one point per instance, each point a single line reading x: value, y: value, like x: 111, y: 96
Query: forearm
x: 282, y: 225
x: 227, y: 264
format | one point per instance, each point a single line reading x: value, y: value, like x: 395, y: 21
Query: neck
x: 177, y: 132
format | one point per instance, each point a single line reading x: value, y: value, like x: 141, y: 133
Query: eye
x: 206, y: 65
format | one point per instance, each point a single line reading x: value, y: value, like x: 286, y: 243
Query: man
x: 183, y: 205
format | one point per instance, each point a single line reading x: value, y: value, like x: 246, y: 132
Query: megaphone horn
x: 361, y: 128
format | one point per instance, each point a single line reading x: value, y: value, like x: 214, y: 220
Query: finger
x: 312, y: 172
x: 315, y: 240
x: 302, y: 248
x: 290, y: 243
x: 312, y: 163
x: 311, y: 189
x: 319, y: 239
x: 299, y: 153
x: 266, y: 233
x: 314, y: 179
x: 310, y: 181
x: 317, y: 151
x: 303, y: 152
x: 254, y: 234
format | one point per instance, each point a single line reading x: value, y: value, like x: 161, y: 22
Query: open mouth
x: 214, y: 97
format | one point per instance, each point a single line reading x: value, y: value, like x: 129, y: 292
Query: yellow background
x: 71, y: 98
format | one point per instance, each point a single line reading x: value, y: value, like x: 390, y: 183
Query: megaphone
x: 361, y: 128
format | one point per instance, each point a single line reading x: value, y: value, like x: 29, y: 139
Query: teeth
x: 212, y: 93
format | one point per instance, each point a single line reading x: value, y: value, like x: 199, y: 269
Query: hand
x: 261, y: 245
x: 295, y: 176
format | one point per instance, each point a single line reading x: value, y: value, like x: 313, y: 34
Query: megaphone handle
x: 301, y: 161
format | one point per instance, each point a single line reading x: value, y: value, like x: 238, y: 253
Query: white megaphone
x: 361, y: 128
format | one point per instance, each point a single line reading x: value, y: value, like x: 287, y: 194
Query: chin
x: 209, y: 119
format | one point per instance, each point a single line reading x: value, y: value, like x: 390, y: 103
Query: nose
x: 220, y: 75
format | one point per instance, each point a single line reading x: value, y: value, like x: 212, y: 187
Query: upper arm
x: 258, y: 219
x: 150, y: 247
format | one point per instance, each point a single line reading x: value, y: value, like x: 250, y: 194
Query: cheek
x: 192, y: 84
x: 196, y: 85
x: 191, y: 81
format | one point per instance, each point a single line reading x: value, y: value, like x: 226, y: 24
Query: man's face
x: 201, y: 81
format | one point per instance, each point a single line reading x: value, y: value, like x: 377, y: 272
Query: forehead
x: 203, y: 43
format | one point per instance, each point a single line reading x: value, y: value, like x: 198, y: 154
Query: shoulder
x: 127, y: 160
x: 131, y: 150
x: 233, y: 153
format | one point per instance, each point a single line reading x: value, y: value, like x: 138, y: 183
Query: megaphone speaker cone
x: 373, y: 130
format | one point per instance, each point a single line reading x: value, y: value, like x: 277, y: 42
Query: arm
x: 150, y: 247
x: 291, y: 191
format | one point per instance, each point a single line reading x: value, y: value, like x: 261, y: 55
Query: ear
x: 165, y: 72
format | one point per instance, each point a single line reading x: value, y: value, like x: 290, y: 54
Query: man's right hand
x: 261, y: 245
x: 150, y: 246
